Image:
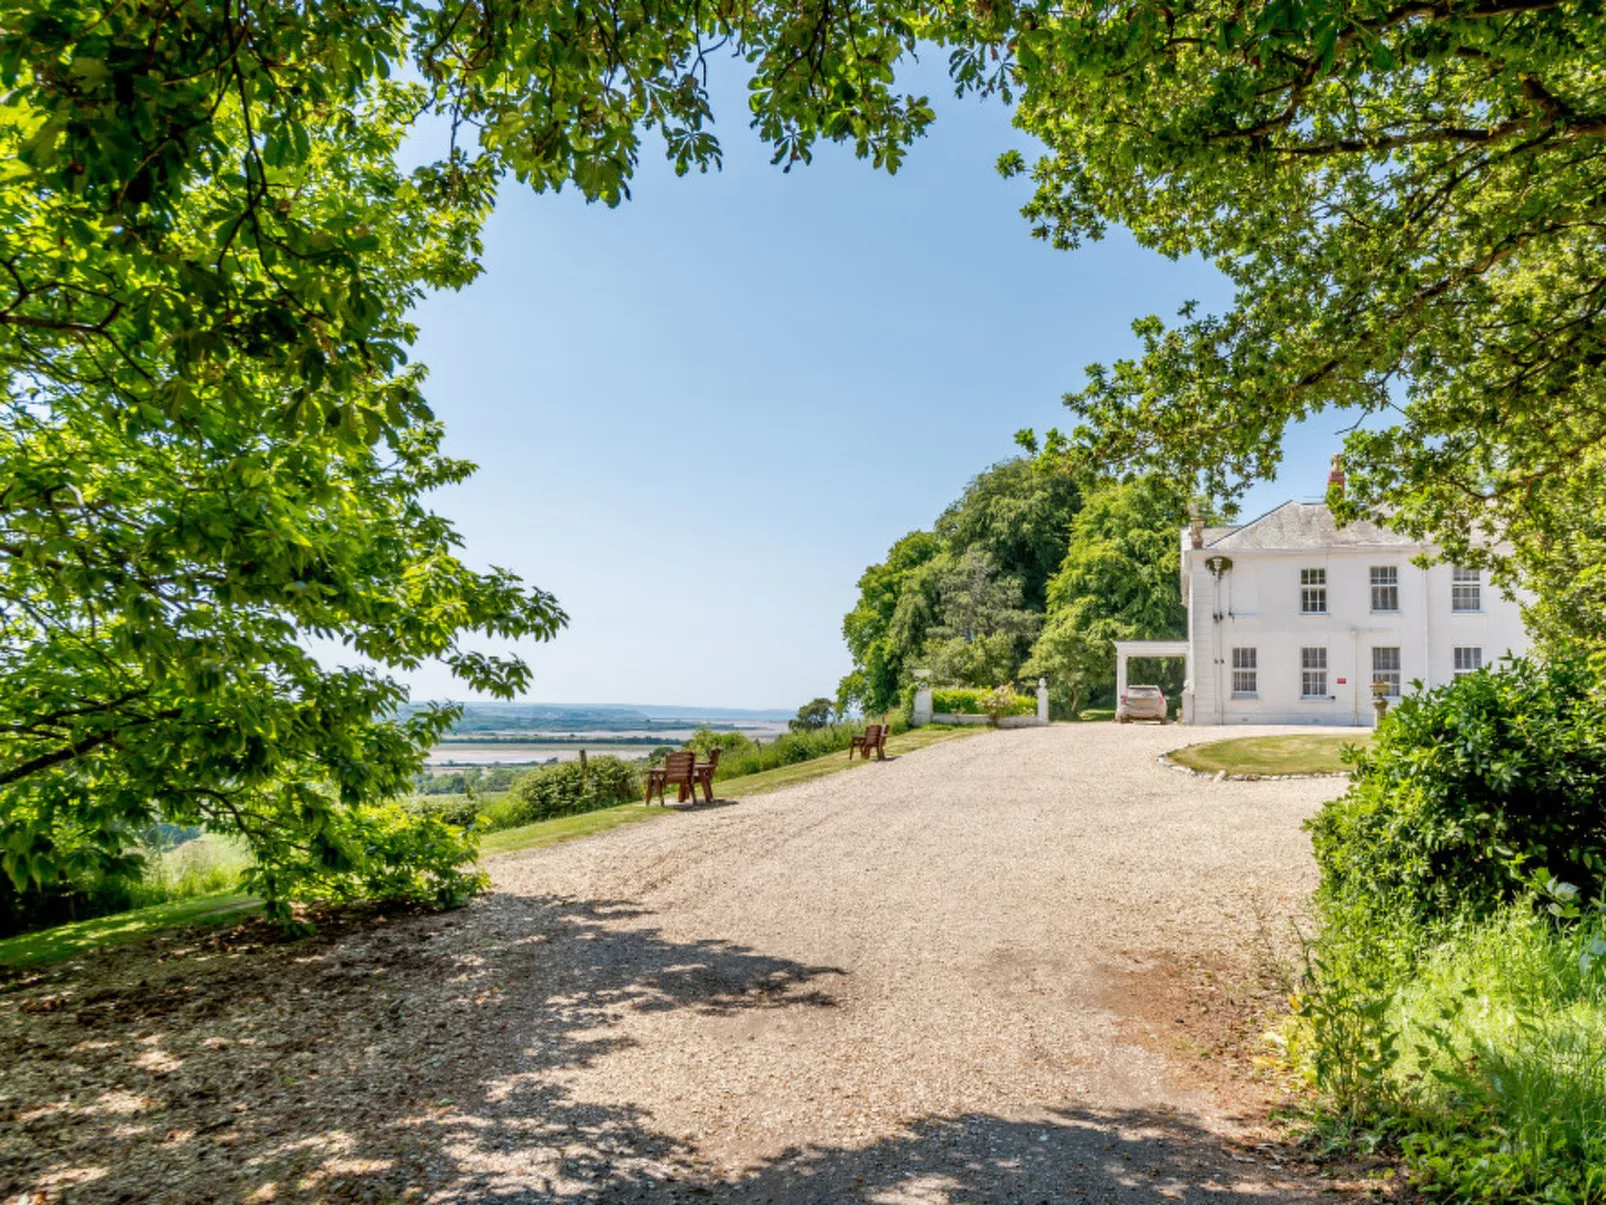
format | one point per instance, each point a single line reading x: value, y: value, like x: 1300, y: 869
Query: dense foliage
x: 966, y: 599
x: 1456, y: 999
x: 568, y: 788
x: 1470, y: 790
x: 816, y: 713
x: 1119, y: 580
x: 212, y: 445
x: 1406, y: 198
x: 469, y: 780
x: 976, y: 702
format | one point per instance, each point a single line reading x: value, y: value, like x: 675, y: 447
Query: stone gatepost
x: 1042, y: 700
x: 922, y: 715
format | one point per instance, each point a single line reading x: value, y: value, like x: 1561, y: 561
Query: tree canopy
x: 213, y: 446
x: 1407, y: 200
x: 1119, y: 580
x: 964, y: 600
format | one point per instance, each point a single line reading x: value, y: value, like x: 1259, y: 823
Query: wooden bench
x: 679, y: 770
x: 873, y: 737
x: 703, y: 772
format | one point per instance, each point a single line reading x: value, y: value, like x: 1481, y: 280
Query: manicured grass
x: 51, y: 945
x: 1316, y: 753
x: 835, y: 763
x: 565, y: 828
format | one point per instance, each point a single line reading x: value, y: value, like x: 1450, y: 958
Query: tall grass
x: 1480, y: 1044
x: 205, y: 865
x: 1503, y: 1059
x: 166, y: 872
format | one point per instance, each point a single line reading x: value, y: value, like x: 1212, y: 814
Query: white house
x: 1291, y: 618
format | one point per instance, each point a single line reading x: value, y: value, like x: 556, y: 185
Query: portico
x: 1126, y: 649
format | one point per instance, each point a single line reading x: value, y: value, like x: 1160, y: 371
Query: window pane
x: 1468, y: 659
x: 1386, y: 668
x: 1313, y: 672
x: 1466, y: 590
x: 1245, y: 681
x: 1385, y: 588
x: 1313, y: 591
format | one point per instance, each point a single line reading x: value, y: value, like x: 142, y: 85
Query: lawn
x: 564, y: 828
x: 1316, y: 753
x: 51, y: 945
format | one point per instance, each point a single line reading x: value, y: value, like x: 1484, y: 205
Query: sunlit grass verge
x: 64, y: 941
x: 209, y: 865
x: 1503, y: 1061
x: 565, y: 828
x: 1314, y: 753
x: 835, y: 763
x: 1481, y: 1058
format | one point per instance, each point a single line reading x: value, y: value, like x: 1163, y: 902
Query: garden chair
x: 873, y: 737
x: 679, y: 770
x: 703, y: 772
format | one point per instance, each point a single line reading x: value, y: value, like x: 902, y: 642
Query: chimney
x: 1195, y: 525
x: 1335, y: 475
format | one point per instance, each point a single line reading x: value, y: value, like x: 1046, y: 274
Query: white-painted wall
x: 1256, y: 604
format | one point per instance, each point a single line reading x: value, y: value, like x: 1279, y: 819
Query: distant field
x: 459, y: 754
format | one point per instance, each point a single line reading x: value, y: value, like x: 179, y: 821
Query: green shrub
x: 977, y: 702
x: 705, y: 740
x: 741, y: 758
x: 565, y: 788
x: 1456, y: 995
x: 1482, y: 1057
x: 956, y: 702
x: 1470, y: 789
x: 381, y: 852
x: 465, y: 811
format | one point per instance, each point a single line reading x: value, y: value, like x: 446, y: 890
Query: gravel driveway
x: 1015, y: 967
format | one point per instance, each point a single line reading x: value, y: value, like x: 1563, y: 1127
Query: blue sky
x: 700, y: 415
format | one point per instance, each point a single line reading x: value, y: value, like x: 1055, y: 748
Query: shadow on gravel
x: 1075, y: 1156
x: 423, y: 1058
x: 386, y: 1058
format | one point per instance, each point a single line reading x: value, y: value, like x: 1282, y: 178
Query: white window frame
x: 1385, y: 588
x: 1389, y: 674
x: 1313, y: 672
x: 1467, y: 659
x: 1466, y: 590
x: 1245, y: 673
x: 1313, y: 591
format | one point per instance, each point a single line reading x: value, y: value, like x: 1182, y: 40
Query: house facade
x: 1291, y: 618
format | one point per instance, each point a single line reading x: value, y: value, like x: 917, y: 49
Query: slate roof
x: 1299, y: 525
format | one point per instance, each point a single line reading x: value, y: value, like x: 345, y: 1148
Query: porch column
x: 1120, y: 674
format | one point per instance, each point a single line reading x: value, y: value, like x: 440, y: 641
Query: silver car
x: 1141, y: 703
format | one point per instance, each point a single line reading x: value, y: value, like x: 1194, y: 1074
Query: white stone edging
x: 977, y: 721
x: 1222, y: 776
